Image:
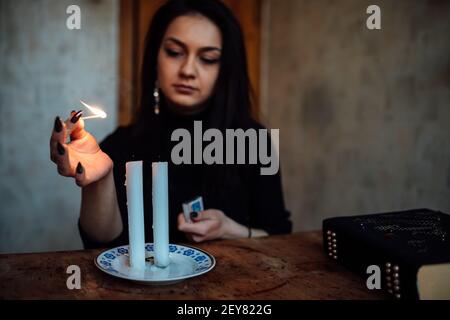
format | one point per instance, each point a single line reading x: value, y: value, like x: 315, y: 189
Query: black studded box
x: 399, y: 243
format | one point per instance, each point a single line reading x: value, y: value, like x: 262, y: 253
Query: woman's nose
x: 188, y: 68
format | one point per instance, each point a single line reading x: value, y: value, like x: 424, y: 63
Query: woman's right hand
x: 82, y: 157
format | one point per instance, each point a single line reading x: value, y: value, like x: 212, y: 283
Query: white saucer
x: 185, y: 262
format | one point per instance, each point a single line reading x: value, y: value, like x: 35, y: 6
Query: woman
x: 194, y: 69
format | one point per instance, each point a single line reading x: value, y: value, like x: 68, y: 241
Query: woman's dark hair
x: 230, y: 103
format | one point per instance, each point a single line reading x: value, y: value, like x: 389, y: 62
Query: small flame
x: 96, y: 111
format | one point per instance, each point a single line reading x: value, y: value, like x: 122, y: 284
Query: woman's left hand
x: 210, y: 224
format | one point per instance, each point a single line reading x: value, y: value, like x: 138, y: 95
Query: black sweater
x: 250, y: 198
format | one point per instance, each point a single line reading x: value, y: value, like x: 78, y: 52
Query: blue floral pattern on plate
x: 115, y: 262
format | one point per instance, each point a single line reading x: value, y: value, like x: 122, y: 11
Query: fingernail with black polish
x: 76, y: 116
x: 60, y: 148
x: 80, y: 168
x: 58, y: 125
x: 194, y: 214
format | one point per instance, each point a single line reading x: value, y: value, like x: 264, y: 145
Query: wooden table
x: 276, y: 267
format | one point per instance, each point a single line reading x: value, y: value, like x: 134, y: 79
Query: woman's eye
x: 172, y: 53
x: 209, y: 60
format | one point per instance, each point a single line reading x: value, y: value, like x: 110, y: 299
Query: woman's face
x: 189, y: 62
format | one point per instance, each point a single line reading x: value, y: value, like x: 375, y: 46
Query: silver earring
x: 156, y: 96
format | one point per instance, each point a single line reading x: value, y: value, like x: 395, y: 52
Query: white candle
x: 160, y: 214
x: 135, y: 205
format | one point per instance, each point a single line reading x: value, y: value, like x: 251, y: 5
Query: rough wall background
x: 45, y: 70
x: 363, y: 115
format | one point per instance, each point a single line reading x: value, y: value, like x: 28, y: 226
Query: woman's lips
x: 183, y: 89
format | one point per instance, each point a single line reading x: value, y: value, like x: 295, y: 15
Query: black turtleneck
x: 248, y: 198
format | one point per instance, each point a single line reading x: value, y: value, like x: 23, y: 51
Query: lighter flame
x: 96, y: 111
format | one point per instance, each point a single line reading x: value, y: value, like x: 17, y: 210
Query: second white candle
x: 160, y: 213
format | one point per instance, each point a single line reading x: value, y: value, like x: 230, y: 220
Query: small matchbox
x: 195, y: 204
